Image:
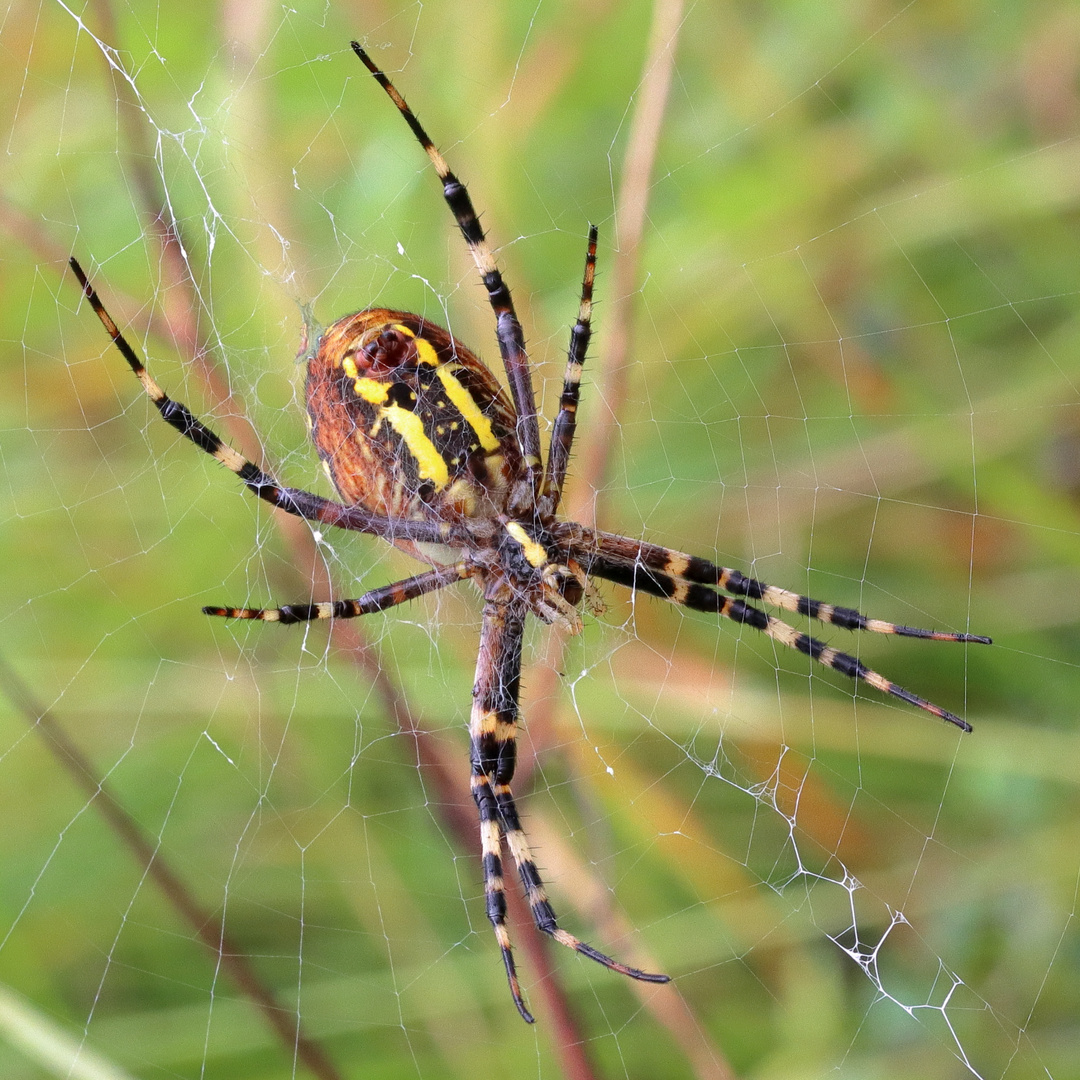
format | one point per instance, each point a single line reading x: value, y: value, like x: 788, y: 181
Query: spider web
x: 852, y: 372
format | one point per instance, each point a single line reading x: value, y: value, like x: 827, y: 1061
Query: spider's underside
x: 427, y: 451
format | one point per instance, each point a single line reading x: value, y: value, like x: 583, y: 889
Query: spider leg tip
x: 967, y: 639
x: 646, y: 976
x: 515, y: 988
x: 362, y: 53
x: 77, y: 270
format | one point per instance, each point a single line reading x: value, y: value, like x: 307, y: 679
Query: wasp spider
x: 427, y: 451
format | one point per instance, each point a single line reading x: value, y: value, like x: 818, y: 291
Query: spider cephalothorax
x: 427, y: 451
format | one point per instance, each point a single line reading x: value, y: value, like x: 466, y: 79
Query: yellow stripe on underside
x: 430, y: 464
x: 534, y: 551
x: 425, y: 352
x: 466, y: 405
x: 371, y: 390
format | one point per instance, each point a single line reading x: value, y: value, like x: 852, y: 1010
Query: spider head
x: 553, y: 588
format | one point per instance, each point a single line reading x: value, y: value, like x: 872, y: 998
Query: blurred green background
x: 854, y: 369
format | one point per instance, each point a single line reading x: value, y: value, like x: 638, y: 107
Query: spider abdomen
x: 409, y: 422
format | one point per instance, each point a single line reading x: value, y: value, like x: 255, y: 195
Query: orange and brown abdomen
x: 408, y: 422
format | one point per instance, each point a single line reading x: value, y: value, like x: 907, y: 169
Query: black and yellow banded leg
x: 494, y: 884
x: 507, y: 326
x: 301, y: 503
x: 542, y: 912
x: 493, y: 750
x: 664, y: 562
x: 387, y: 596
x: 700, y: 598
x: 562, y: 432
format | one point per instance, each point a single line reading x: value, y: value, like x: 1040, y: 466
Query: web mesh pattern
x: 853, y: 373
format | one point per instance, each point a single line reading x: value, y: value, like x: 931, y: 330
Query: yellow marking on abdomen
x: 372, y: 390
x: 534, y: 551
x: 466, y: 405
x: 425, y: 352
x: 430, y: 464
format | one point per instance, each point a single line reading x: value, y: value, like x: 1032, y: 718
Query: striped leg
x: 562, y: 433
x: 292, y: 500
x: 492, y: 755
x: 493, y: 749
x: 380, y: 599
x: 596, y: 549
x: 542, y: 912
x: 507, y: 327
x: 701, y: 598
